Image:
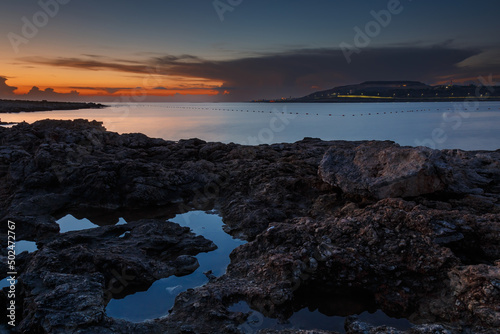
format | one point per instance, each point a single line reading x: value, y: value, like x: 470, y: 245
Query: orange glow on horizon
x: 105, y: 83
x: 123, y: 92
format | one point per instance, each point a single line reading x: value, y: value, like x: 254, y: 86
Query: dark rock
x: 382, y: 170
x: 15, y: 106
x: 336, y: 226
x: 82, y: 270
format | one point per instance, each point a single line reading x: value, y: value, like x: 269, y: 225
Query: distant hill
x: 398, y: 91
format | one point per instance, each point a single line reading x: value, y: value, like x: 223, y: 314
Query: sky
x: 238, y: 50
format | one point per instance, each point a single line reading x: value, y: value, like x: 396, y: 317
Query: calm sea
x: 468, y: 125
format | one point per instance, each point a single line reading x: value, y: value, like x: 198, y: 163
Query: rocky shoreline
x: 17, y: 106
x: 413, y: 232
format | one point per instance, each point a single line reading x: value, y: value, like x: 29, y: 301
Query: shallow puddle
x: 21, y: 246
x: 316, y: 311
x: 5, y: 282
x: 25, y: 246
x: 309, y: 319
x: 160, y: 297
x: 69, y: 223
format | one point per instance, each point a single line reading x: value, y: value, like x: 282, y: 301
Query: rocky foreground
x: 336, y: 225
x: 16, y: 106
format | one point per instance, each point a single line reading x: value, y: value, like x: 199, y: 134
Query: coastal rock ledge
x: 335, y: 226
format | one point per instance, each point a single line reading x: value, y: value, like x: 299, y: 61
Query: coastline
x: 17, y: 106
x: 379, y: 100
x: 419, y: 241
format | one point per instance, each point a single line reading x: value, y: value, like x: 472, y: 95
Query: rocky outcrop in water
x: 16, y: 106
x: 342, y: 227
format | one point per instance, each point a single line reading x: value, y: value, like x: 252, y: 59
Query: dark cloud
x: 302, y: 71
x: 110, y: 90
x: 6, y: 91
x: 92, y: 55
x: 87, y: 64
x: 299, y: 72
x: 113, y: 90
x: 49, y: 94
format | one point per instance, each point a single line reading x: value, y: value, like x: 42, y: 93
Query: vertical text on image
x: 12, y: 273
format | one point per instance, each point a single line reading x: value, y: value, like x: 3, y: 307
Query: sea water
x: 464, y: 125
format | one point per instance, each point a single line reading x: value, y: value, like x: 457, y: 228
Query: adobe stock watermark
x: 223, y: 6
x: 253, y: 323
x: 301, y: 274
x: 454, y: 120
x: 372, y: 29
x: 278, y: 123
x: 138, y: 94
x: 31, y: 26
x: 203, y: 197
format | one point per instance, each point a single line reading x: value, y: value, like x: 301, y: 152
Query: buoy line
x: 364, y: 114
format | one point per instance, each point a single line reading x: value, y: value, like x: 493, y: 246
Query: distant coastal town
x: 398, y: 91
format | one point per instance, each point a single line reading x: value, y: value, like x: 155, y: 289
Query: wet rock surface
x: 342, y: 227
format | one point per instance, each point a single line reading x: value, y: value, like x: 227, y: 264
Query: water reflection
x: 309, y: 318
x: 410, y: 124
x: 28, y: 246
x: 69, y: 223
x: 160, y: 297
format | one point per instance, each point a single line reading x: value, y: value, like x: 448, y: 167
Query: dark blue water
x: 69, y: 223
x: 21, y: 246
x: 468, y: 125
x: 160, y: 297
x: 308, y: 319
x: 25, y: 246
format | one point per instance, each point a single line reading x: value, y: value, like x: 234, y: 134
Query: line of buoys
x: 317, y: 114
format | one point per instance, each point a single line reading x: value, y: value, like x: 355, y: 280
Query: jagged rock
x: 353, y: 326
x: 384, y: 169
x: 476, y: 290
x: 55, y: 293
x: 293, y: 331
x: 15, y: 106
x: 83, y: 270
x: 372, y: 225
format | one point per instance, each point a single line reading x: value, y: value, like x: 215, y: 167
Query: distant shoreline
x: 18, y: 106
x: 382, y: 100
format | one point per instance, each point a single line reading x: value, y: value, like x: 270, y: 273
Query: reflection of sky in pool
x: 69, y: 223
x: 5, y: 283
x: 160, y: 297
x: 308, y: 319
x: 23, y: 245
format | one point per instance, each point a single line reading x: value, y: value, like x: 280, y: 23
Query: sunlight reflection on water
x: 405, y: 123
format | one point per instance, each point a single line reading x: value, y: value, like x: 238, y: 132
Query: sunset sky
x: 238, y: 50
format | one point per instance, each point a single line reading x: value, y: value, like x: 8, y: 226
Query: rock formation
x: 336, y: 226
x: 16, y: 106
